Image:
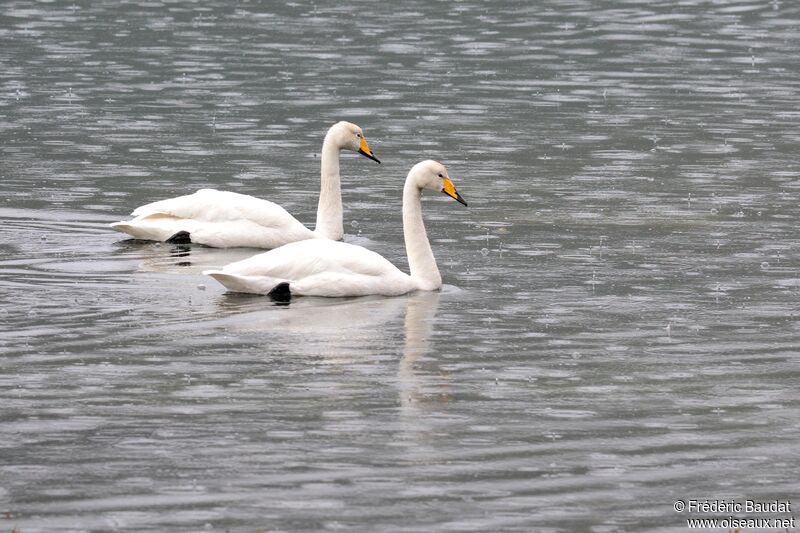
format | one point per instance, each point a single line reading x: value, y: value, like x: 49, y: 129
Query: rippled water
x: 619, y: 327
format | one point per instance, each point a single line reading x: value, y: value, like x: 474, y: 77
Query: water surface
x: 619, y: 325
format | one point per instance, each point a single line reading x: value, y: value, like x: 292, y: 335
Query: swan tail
x: 137, y: 232
x: 154, y: 227
x: 281, y: 293
x: 120, y: 226
x: 251, y: 284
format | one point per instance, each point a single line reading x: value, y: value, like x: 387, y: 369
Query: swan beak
x: 365, y: 151
x: 450, y: 190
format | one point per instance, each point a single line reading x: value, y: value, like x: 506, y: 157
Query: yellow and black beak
x: 450, y: 190
x: 365, y: 151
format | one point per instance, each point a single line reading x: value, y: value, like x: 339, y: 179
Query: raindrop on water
x: 764, y: 265
x: 484, y: 252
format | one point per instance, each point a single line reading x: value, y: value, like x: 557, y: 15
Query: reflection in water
x: 420, y: 312
x: 336, y: 319
x: 340, y: 330
x: 632, y: 331
x: 179, y: 258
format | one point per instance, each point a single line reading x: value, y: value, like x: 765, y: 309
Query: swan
x: 222, y: 219
x: 335, y: 269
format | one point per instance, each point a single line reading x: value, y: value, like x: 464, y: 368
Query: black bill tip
x: 369, y: 156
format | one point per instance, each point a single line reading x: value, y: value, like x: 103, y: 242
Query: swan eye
x: 440, y: 175
x: 358, y: 135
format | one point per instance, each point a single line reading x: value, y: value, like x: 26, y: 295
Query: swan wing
x: 210, y: 205
x: 319, y: 268
x: 217, y: 218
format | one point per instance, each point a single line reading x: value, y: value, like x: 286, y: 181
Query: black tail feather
x: 182, y: 237
x: 280, y: 293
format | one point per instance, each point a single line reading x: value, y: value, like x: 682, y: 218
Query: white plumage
x: 330, y: 268
x: 224, y: 219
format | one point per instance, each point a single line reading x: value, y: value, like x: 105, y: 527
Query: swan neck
x: 421, y: 262
x: 329, y: 210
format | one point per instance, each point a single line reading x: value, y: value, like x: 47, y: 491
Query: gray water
x: 619, y: 324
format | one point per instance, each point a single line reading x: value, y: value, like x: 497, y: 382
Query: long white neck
x: 329, y: 211
x: 421, y: 262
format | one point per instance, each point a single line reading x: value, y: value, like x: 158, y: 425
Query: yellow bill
x: 450, y: 190
x: 365, y: 150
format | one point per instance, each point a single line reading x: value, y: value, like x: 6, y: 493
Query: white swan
x: 331, y: 268
x: 227, y: 219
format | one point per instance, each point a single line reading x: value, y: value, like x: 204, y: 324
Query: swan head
x: 348, y: 136
x: 433, y: 175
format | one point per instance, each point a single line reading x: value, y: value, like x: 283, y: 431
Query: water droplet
x: 714, y: 210
x: 3, y: 312
x: 33, y: 313
x: 354, y: 224
x: 201, y: 287
x: 484, y: 252
x: 764, y: 265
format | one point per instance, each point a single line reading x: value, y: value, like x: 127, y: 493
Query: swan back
x: 316, y: 267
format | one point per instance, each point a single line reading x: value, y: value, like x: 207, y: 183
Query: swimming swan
x: 331, y: 268
x: 223, y: 219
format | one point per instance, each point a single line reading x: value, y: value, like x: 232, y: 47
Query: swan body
x: 222, y: 219
x: 336, y: 269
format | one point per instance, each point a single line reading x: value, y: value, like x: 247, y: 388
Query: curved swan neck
x: 421, y: 262
x: 329, y: 210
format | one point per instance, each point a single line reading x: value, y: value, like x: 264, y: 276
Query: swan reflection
x: 340, y: 330
x: 418, y: 327
x: 167, y: 258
